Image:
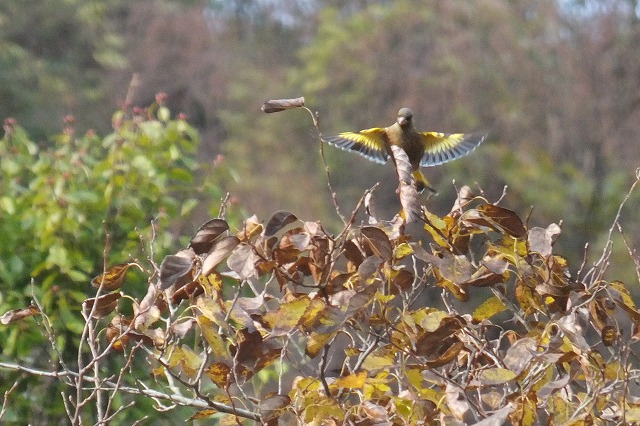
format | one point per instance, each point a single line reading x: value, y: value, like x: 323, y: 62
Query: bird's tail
x: 422, y: 183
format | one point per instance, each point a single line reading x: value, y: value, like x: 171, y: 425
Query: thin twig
x: 6, y: 398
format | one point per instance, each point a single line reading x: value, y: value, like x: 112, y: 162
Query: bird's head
x: 405, y: 116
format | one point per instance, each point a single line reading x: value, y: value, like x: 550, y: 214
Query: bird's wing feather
x: 441, y: 147
x: 369, y: 143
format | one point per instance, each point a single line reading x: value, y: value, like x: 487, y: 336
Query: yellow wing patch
x: 370, y: 143
x: 441, y: 147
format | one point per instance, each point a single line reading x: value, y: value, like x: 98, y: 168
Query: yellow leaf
x: 287, y: 316
x: 315, y: 342
x: 495, y: 376
x: 219, y: 373
x: 488, y: 308
x: 430, y: 321
x: 353, y: 380
x: 379, y: 360
x: 403, y: 250
x: 203, y: 414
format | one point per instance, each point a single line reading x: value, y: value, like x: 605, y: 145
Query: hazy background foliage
x: 555, y: 83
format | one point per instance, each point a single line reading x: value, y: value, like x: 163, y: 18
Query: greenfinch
x: 423, y: 148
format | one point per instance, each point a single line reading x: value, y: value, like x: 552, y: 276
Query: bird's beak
x: 402, y: 121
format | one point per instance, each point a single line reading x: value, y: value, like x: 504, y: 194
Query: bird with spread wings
x: 423, y: 148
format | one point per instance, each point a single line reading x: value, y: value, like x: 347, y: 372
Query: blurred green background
x: 555, y: 83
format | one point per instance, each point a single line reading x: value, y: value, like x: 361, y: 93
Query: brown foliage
x: 300, y: 325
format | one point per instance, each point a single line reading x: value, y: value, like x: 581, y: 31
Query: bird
x: 423, y: 148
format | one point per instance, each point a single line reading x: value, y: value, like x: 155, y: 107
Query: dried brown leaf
x: 112, y: 278
x: 218, y: 252
x: 207, y: 234
x: 520, y: 354
x: 270, y: 407
x: 541, y: 240
x: 242, y: 261
x: 105, y: 304
x: 176, y: 270
x: 376, y: 242
x: 19, y: 314
x: 408, y: 192
x: 277, y: 105
x: 279, y: 220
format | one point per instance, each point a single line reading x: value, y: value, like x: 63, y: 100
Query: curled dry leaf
x: 207, y: 234
x: 176, y: 269
x: 279, y: 220
x: 271, y: 406
x: 408, y: 192
x: 242, y: 261
x: 112, y: 278
x: 277, y: 105
x: 464, y: 196
x: 376, y: 242
x: 104, y: 305
x: 18, y: 314
x: 457, y: 401
x: 541, y: 239
x: 503, y: 219
x: 497, y: 418
x: 520, y: 354
x: 220, y: 250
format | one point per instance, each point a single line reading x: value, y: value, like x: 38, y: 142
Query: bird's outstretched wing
x: 441, y: 147
x: 370, y: 143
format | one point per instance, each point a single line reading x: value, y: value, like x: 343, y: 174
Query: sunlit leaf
x: 185, y: 358
x: 242, y: 261
x: 287, y: 316
x: 352, y: 381
x: 313, y: 314
x: 495, y: 376
x: 408, y: 191
x: 437, y: 228
x: 489, y: 308
x: 316, y: 341
x: 455, y: 268
x: 609, y: 335
x: 251, y: 229
x: 111, y: 279
x: 218, y: 372
x: 541, y: 239
x: 456, y: 401
x: 218, y: 252
x: 217, y: 343
x: 380, y: 359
